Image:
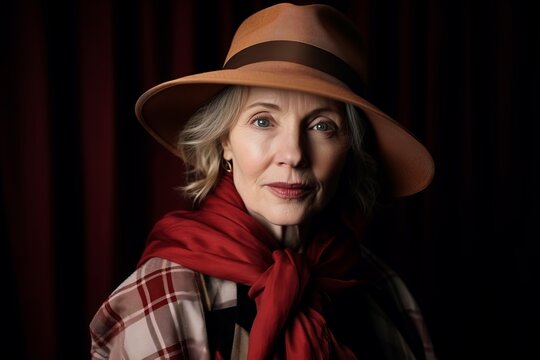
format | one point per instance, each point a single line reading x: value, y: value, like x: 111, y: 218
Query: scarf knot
x: 277, y: 293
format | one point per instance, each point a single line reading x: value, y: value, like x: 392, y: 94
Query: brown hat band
x: 299, y: 53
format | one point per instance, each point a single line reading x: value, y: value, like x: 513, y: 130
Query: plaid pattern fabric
x: 165, y: 311
x: 156, y: 313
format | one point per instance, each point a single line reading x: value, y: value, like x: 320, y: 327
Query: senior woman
x: 269, y: 262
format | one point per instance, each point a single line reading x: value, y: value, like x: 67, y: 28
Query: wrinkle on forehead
x: 288, y: 100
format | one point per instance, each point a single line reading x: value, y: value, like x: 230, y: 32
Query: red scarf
x: 222, y: 240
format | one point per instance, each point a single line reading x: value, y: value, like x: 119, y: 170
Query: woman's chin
x: 284, y: 217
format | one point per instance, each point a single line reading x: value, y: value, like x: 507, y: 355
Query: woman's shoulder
x: 154, y: 271
x: 155, y: 283
x: 393, y: 308
x: 144, y: 311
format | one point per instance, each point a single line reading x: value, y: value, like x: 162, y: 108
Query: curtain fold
x: 26, y: 185
x: 96, y: 114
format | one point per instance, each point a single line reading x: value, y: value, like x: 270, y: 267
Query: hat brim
x: 164, y: 109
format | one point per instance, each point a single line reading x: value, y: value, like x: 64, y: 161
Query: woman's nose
x: 291, y: 149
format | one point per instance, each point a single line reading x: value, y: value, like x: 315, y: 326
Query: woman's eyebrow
x: 325, y: 109
x: 322, y: 111
x: 264, y: 104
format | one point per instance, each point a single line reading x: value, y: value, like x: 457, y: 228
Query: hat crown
x: 317, y: 25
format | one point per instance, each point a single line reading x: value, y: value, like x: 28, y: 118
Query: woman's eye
x: 323, y: 126
x: 261, y: 122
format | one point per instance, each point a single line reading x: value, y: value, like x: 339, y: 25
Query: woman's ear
x: 227, y: 152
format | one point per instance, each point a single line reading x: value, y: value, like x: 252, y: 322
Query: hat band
x: 299, y: 53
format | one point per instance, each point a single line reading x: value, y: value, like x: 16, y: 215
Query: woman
x: 269, y: 263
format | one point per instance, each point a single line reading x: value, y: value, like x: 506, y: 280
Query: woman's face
x: 287, y: 149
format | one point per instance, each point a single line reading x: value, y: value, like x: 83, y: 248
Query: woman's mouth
x: 289, y: 191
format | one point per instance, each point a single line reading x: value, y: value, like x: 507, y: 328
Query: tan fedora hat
x: 312, y: 48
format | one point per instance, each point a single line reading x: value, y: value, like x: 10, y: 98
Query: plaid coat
x: 166, y: 311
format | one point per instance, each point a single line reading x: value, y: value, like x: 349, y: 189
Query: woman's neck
x: 288, y: 236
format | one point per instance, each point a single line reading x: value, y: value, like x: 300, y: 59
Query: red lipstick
x: 289, y: 191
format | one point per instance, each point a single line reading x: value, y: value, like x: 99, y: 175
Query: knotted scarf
x: 289, y: 288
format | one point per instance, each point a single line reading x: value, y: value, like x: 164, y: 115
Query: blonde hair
x: 200, y: 141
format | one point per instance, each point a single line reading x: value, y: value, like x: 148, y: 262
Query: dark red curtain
x: 82, y: 183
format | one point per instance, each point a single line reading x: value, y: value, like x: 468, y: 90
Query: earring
x: 228, y: 166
